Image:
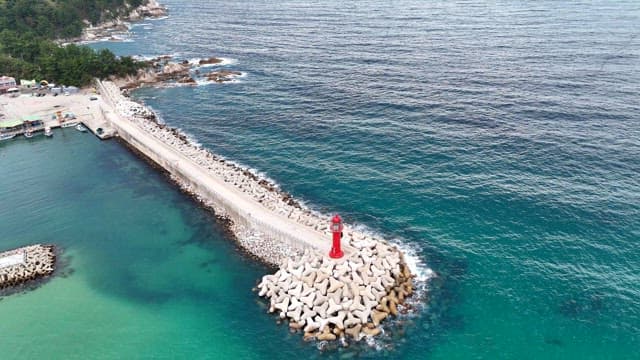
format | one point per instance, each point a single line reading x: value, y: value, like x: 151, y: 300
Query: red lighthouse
x: 336, y: 229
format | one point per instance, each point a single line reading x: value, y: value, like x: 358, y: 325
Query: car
x: 93, y: 98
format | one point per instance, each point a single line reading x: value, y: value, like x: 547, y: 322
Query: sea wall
x: 24, y: 264
x: 265, y: 234
x: 244, y: 181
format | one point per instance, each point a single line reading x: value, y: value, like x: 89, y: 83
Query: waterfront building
x: 27, y: 83
x: 11, y: 126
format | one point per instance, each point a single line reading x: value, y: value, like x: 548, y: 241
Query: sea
x: 496, y: 142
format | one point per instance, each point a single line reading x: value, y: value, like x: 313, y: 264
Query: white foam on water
x: 190, y: 138
x: 140, y: 24
x: 144, y: 57
x: 227, y: 61
x: 120, y: 38
x: 259, y: 174
x: 158, y: 115
x: 203, y: 81
x: 156, y: 18
x: 417, y: 265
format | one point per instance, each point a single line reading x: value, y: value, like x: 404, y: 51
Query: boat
x: 7, y: 136
x: 69, y: 124
x: 81, y: 128
x: 28, y: 134
x: 48, y: 132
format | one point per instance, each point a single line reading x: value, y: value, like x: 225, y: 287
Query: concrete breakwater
x: 327, y: 298
x: 267, y: 222
x: 28, y: 263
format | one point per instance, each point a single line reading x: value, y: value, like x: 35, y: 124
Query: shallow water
x: 499, y: 141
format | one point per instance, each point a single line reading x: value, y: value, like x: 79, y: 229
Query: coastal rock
x: 187, y: 80
x: 222, y: 76
x: 210, y: 61
x: 175, y: 69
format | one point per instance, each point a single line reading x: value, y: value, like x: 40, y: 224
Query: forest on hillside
x: 27, y: 31
x: 55, y: 19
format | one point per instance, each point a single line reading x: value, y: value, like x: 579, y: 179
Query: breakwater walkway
x: 324, y: 297
x: 261, y: 214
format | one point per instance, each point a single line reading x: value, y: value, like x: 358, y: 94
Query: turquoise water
x: 499, y: 141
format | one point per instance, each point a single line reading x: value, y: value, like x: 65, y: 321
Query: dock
x: 34, y: 114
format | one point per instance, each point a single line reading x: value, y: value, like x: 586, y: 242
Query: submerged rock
x: 210, y: 61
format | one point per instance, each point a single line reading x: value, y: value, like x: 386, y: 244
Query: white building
x: 6, y: 83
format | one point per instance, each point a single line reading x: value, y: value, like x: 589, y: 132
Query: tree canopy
x: 27, y: 28
x: 55, y: 19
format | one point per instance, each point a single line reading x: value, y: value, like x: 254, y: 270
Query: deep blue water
x: 499, y: 140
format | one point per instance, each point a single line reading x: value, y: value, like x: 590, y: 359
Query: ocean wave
x: 191, y: 139
x: 139, y: 25
x: 156, y: 18
x: 151, y: 57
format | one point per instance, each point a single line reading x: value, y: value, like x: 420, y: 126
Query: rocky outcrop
x: 118, y: 28
x: 151, y: 9
x: 164, y: 70
x: 174, y: 70
x: 210, y: 61
x: 223, y: 76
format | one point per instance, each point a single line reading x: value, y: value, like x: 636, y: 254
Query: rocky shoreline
x: 28, y: 263
x: 117, y: 29
x: 164, y: 71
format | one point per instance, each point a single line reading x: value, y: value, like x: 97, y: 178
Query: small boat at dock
x: 81, y: 128
x: 28, y: 134
x: 69, y: 124
x: 48, y: 132
x: 7, y: 136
